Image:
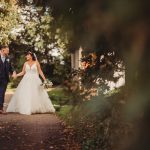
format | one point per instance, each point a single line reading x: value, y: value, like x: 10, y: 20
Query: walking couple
x: 30, y: 97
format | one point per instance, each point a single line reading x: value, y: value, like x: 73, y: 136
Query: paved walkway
x: 34, y: 132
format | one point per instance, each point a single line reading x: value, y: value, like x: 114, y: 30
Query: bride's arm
x: 40, y: 71
x: 22, y: 72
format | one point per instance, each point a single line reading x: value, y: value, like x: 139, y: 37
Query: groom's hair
x: 3, y: 46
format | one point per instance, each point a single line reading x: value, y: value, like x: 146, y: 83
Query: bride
x: 30, y: 97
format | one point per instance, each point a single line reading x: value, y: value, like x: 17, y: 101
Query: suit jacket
x: 5, y: 69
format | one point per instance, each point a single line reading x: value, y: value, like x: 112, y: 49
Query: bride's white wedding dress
x: 30, y: 97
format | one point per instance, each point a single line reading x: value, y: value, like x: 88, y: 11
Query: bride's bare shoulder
x: 25, y: 63
x: 37, y: 62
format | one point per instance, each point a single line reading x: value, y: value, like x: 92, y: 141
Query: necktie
x: 3, y: 59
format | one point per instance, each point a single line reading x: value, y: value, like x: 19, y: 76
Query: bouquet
x: 47, y: 84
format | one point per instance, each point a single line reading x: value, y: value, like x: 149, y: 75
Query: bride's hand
x: 14, y: 75
x: 45, y: 81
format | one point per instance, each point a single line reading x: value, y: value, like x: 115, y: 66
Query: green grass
x: 64, y: 111
x: 58, y: 96
x: 57, y: 92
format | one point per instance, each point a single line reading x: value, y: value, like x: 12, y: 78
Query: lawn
x: 59, y: 99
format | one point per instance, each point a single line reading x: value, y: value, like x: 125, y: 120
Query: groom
x: 5, y: 72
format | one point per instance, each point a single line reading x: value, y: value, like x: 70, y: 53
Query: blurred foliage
x: 9, y: 19
x: 100, y: 123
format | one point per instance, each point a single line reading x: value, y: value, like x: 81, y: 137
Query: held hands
x: 14, y: 75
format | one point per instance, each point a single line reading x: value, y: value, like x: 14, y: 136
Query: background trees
x: 34, y: 28
x: 9, y: 19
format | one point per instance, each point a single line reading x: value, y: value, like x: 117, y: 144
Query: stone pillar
x: 76, y: 59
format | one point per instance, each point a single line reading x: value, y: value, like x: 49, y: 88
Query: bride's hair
x: 32, y: 55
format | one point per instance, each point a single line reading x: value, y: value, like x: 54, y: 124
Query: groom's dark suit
x: 5, y: 71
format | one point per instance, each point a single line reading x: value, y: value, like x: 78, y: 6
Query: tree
x: 9, y: 18
x: 38, y: 32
